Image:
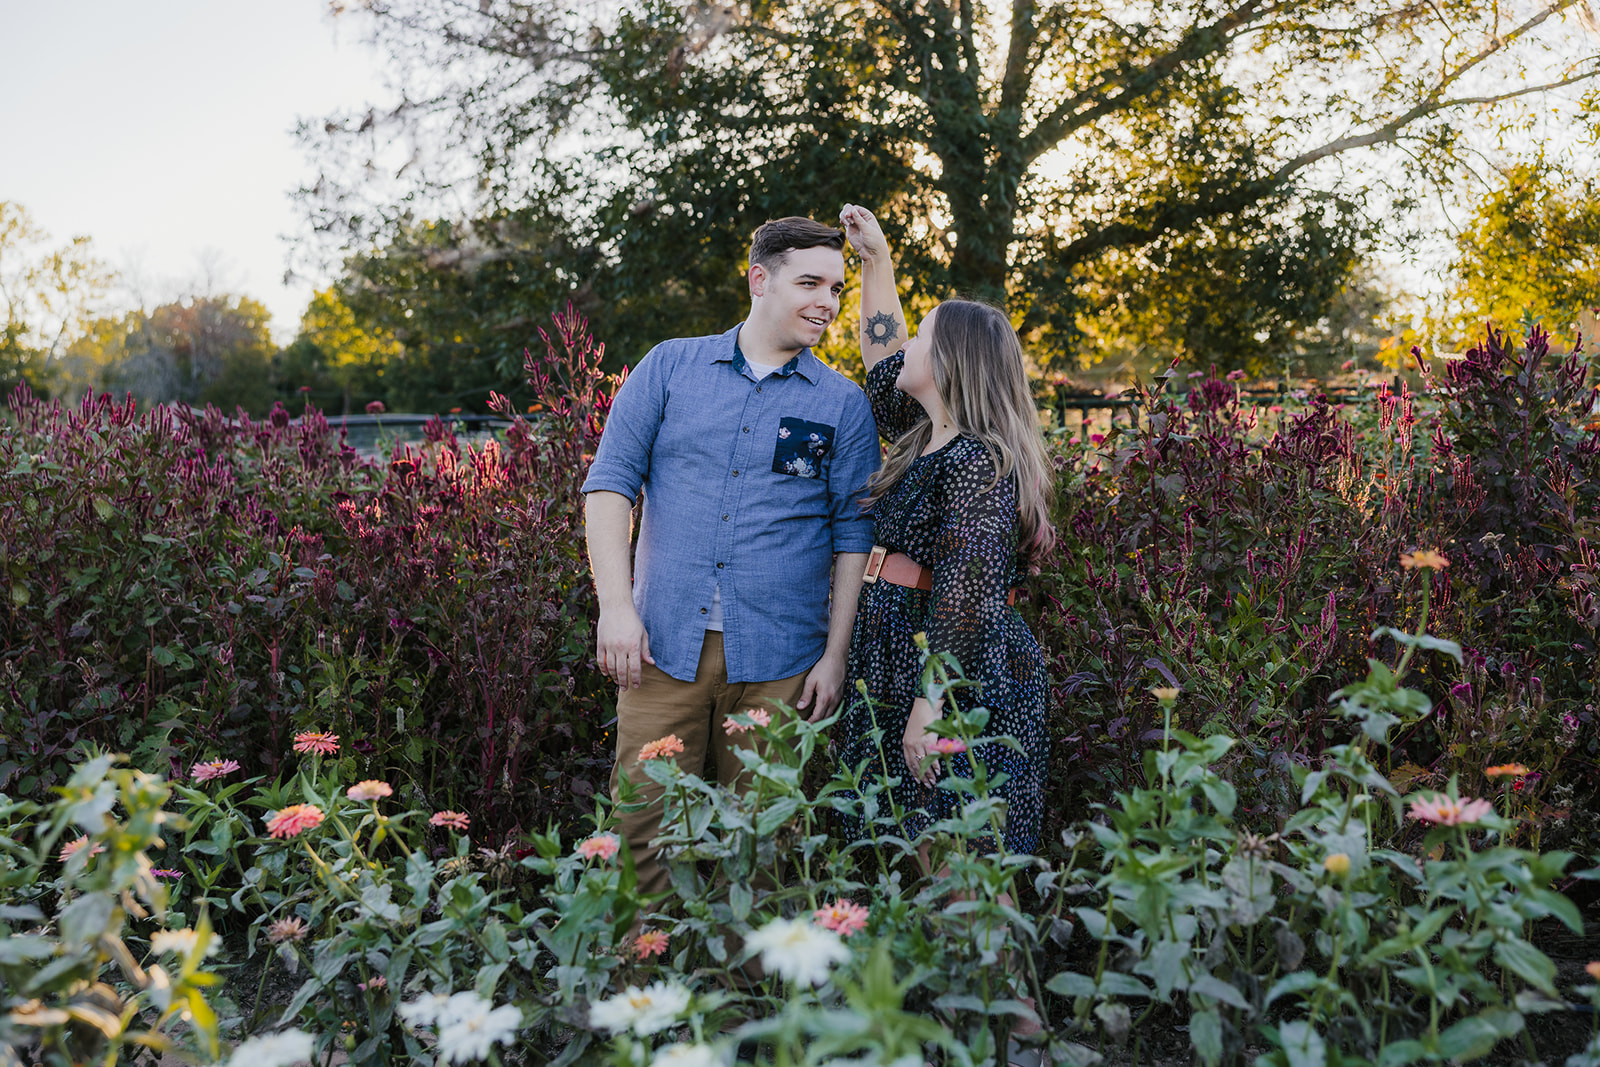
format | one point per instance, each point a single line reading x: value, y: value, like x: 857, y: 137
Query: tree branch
x: 1085, y: 107
x: 1019, y: 51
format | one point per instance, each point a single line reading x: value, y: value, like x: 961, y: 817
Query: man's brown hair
x: 773, y: 241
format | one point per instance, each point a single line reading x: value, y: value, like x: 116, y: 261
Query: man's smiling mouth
x: 815, y: 322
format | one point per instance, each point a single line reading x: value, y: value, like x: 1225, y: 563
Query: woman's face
x: 916, y: 375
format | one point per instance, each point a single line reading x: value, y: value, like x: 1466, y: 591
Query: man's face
x: 799, y: 299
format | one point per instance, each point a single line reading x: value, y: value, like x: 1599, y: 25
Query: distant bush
x: 184, y: 585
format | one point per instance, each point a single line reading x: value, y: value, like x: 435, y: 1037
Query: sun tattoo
x: 882, y: 329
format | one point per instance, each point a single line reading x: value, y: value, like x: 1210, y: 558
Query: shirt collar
x: 804, y: 363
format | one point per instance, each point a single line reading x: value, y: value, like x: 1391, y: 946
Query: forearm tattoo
x: 882, y: 329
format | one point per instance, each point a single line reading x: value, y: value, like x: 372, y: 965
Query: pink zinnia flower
x: 650, y: 943
x: 72, y: 848
x: 204, y: 772
x: 843, y: 917
x: 1447, y: 811
x: 371, y: 789
x: 663, y: 748
x: 324, y: 744
x: 291, y: 929
x: 293, y: 819
x: 757, y: 717
x: 377, y: 981
x: 162, y: 872
x: 949, y: 746
x: 456, y: 820
x: 600, y: 846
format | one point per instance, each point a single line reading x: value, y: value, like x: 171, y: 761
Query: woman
x: 961, y: 509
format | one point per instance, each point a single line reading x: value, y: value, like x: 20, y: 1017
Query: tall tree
x: 47, y: 295
x: 1532, y: 247
x: 1016, y: 150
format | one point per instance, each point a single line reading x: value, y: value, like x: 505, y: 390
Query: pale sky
x: 163, y: 130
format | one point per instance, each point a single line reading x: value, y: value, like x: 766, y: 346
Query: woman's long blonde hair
x: 976, y: 361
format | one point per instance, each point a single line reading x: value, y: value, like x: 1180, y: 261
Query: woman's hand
x: 864, y: 233
x: 919, y: 742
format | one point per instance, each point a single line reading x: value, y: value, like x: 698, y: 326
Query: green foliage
x: 72, y: 985
x: 1046, y: 155
x: 48, y: 295
x: 1531, y: 247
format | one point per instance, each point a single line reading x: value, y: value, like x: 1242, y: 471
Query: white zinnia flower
x: 273, y: 1050
x: 797, y: 950
x: 424, y: 1011
x: 644, y: 1011
x: 469, y: 1026
x: 687, y: 1056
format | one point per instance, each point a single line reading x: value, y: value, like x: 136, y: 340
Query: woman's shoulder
x: 968, y: 465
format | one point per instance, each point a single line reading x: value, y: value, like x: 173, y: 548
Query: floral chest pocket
x: 802, y: 448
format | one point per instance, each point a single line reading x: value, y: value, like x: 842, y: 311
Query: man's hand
x: 919, y: 742
x: 824, y: 687
x: 622, y: 646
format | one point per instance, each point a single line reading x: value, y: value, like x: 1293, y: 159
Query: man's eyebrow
x: 811, y: 278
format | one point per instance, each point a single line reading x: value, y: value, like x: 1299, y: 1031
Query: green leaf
x: 774, y: 816
x: 1071, y: 984
x: 1478, y: 1035
x: 1208, y: 985
x: 87, y: 918
x: 1205, y: 1033
x: 1528, y: 963
x: 1302, y: 1044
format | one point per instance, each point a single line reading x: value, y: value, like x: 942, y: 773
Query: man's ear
x: 759, y: 278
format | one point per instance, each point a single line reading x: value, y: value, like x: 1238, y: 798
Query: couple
x: 760, y: 472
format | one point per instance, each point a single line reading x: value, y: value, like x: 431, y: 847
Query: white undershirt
x: 714, y: 619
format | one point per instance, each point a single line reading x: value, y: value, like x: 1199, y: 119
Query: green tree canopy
x: 1043, y: 153
x: 47, y: 295
x: 1532, y: 247
x: 201, y: 350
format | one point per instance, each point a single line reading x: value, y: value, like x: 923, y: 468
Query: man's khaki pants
x: 695, y: 711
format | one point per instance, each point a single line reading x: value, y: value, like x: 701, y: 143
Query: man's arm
x: 621, y: 644
x: 825, y: 684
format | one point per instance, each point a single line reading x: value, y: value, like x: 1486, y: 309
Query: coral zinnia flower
x: 72, y: 848
x: 204, y: 772
x: 1427, y: 560
x: 601, y: 846
x: 293, y: 819
x: 324, y: 744
x: 663, y: 748
x: 371, y: 789
x: 1593, y: 969
x: 1506, y: 770
x: 291, y: 929
x: 650, y: 943
x: 1447, y: 811
x: 843, y: 917
x: 757, y: 717
x: 456, y: 820
x: 949, y: 746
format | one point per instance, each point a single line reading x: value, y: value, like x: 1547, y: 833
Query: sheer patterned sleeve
x: 895, y: 411
x: 974, y: 560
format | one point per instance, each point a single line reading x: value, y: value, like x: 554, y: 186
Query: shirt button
x: 747, y: 429
x: 702, y: 611
x: 719, y: 566
x: 736, y: 474
x: 724, y: 518
x: 758, y: 388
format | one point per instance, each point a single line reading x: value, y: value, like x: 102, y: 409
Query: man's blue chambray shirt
x: 753, y: 485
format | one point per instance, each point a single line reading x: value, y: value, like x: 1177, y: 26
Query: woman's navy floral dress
x: 941, y: 516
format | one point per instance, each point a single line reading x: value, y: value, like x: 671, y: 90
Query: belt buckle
x: 875, y: 560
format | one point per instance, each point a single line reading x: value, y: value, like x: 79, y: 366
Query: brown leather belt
x: 897, y: 568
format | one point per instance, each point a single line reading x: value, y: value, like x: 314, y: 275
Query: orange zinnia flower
x: 1433, y: 561
x: 1506, y: 770
x: 293, y: 819
x: 1447, y: 811
x: 650, y: 943
x: 456, y: 820
x: 371, y: 789
x: 600, y: 846
x: 664, y: 748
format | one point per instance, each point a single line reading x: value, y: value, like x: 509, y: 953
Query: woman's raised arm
x: 883, y: 324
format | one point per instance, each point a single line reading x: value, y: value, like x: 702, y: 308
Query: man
x: 751, y: 454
